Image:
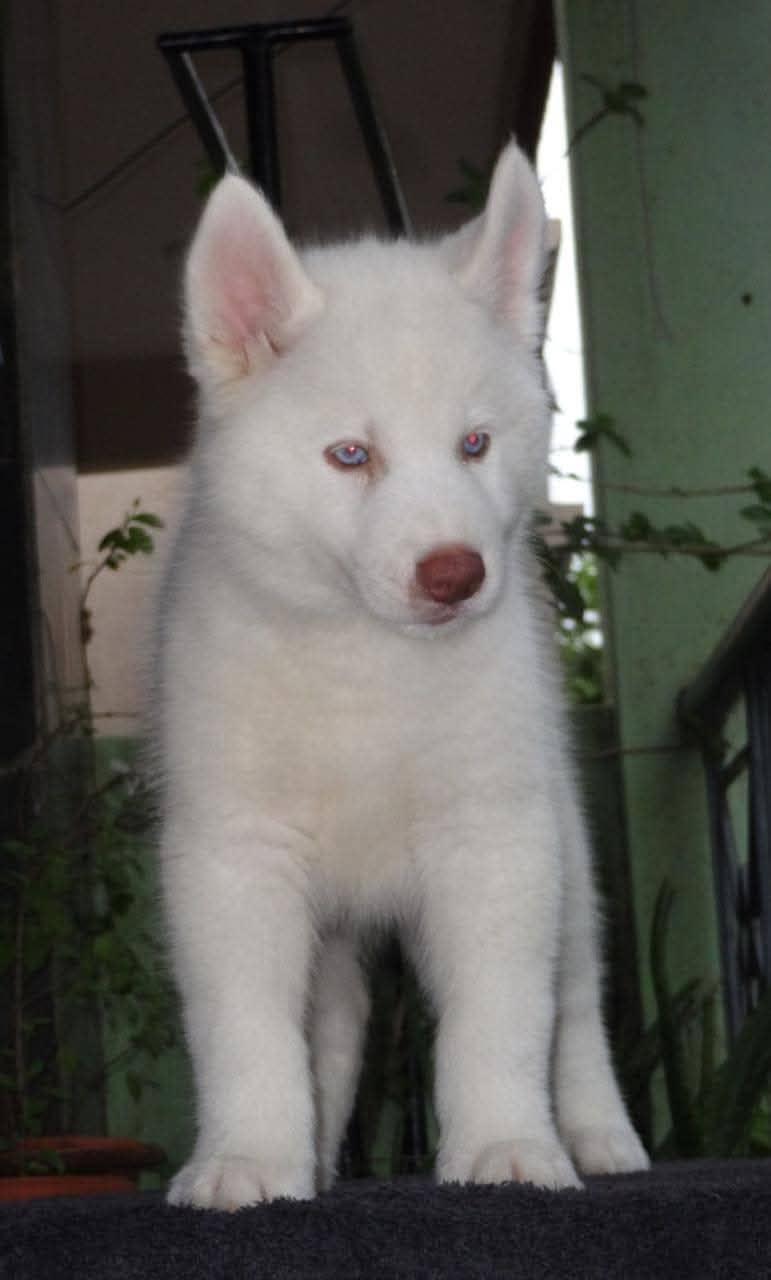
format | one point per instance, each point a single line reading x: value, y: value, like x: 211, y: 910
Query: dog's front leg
x: 490, y: 915
x: 242, y: 936
x: 591, y: 1116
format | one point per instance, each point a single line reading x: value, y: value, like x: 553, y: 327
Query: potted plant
x: 74, y: 1165
x: 74, y: 951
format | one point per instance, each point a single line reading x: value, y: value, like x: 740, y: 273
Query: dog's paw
x: 540, y: 1161
x: 612, y: 1150
x: 231, y: 1182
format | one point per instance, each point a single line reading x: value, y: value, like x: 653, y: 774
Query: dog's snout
x: 450, y: 574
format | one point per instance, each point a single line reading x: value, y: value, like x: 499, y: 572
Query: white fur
x: 334, y: 756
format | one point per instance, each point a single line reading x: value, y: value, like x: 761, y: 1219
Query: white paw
x: 230, y: 1182
x: 542, y: 1162
x: 612, y: 1150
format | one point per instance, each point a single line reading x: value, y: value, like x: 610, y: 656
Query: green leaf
x: 683, y: 535
x: 743, y: 1080
x: 644, y: 1056
x: 759, y: 515
x: 687, y: 1135
x: 68, y: 1058
x: 18, y: 848
x: 134, y: 1085
x: 473, y: 193
x: 601, y: 427
x: 707, y: 1076
x: 712, y: 560
x: 122, y: 902
x: 103, y: 946
x: 148, y: 518
x: 631, y: 89
x: 611, y: 555
x: 761, y: 482
x: 207, y: 178
x: 566, y: 594
x: 37, y: 952
x: 568, y: 597
x: 585, y: 690
x: 619, y: 99
x: 637, y: 528
x: 138, y: 540
x: 582, y: 532
x: 114, y: 539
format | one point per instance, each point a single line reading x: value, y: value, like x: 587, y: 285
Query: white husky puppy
x: 358, y: 718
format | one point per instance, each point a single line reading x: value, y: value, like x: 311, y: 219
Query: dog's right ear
x: 247, y: 295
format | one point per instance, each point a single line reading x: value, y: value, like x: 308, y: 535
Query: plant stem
x: 658, y: 749
x: 585, y: 128
x: 677, y: 491
x: 756, y: 547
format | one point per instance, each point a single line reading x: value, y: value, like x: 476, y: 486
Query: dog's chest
x: 358, y: 754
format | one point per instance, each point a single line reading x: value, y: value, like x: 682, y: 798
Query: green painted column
x: 674, y: 252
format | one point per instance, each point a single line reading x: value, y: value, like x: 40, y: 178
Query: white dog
x: 359, y: 719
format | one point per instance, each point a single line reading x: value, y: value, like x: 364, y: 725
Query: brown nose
x: 451, y: 574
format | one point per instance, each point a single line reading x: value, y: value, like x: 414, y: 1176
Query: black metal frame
x: 19, y: 672
x: 258, y: 44
x: 740, y: 668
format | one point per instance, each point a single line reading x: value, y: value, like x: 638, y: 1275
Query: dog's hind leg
x: 339, y: 1013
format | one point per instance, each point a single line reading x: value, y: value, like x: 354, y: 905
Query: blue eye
x: 475, y: 444
x: 348, y: 455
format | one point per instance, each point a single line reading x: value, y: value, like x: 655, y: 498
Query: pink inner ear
x: 241, y: 310
x: 518, y: 268
x: 243, y: 289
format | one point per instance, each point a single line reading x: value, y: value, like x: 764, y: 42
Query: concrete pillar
x: 673, y: 246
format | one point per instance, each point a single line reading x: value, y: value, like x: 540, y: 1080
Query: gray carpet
x: 699, y: 1220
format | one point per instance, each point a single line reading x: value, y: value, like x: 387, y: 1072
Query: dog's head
x: 374, y: 417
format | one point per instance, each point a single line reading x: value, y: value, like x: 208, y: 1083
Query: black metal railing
x: 257, y: 44
x: 739, y: 674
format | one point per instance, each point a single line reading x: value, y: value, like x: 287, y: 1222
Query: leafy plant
x: 130, y: 538
x: 473, y: 191
x: 394, y: 1128
x: 718, y: 1108
x: 579, y: 637
x: 620, y: 99
x: 639, y: 533
x: 569, y: 552
x: 72, y: 940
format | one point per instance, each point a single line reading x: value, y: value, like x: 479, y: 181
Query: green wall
x: 672, y: 223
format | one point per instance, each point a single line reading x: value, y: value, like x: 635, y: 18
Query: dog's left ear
x: 499, y: 258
